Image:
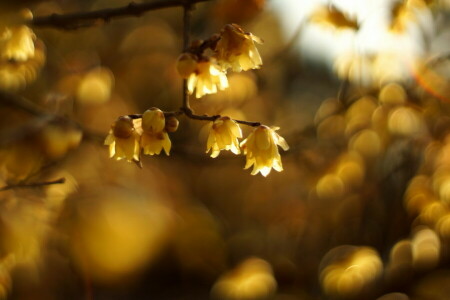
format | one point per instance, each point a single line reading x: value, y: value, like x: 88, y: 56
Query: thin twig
x: 32, y: 184
x: 191, y: 115
x: 187, y: 12
x: 84, y: 19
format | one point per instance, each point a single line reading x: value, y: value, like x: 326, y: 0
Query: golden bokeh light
x: 394, y: 296
x: 367, y: 143
x: 407, y: 122
x: 351, y: 170
x: 330, y: 187
x: 392, y: 94
x: 358, y: 115
x: 95, y: 87
x: 348, y: 271
x: 119, y: 235
x: 400, y: 261
x: 251, y: 280
x: 327, y: 108
x: 426, y: 249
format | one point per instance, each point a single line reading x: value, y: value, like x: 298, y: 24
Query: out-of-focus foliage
x: 361, y: 210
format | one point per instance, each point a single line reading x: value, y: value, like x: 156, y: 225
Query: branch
x: 42, y: 118
x: 85, y: 19
x: 33, y: 184
x: 191, y: 115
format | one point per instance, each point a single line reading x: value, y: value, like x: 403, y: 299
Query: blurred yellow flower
x: 154, y: 136
x: 261, y: 150
x: 123, y: 140
x: 21, y: 56
x: 17, y: 43
x: 206, y: 79
x: 223, y: 135
x: 236, y: 49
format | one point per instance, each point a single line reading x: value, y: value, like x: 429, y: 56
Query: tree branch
x: 85, y: 19
x: 33, y: 184
x: 191, y: 115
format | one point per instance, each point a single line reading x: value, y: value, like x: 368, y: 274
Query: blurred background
x: 361, y: 211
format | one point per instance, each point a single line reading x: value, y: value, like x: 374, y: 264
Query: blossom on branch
x: 123, y: 140
x: 207, y: 79
x: 236, y: 49
x: 154, y: 136
x: 223, y: 135
x: 261, y: 150
x: 203, y: 75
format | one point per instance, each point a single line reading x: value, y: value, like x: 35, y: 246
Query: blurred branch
x: 17, y: 101
x: 33, y: 184
x: 187, y: 12
x: 438, y: 59
x: 85, y: 19
x: 43, y: 118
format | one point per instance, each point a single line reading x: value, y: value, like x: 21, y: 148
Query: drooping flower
x: 123, y: 140
x: 17, y: 43
x: 236, y: 49
x: 207, y: 78
x: 154, y: 136
x: 261, y: 150
x: 22, y: 55
x: 223, y: 135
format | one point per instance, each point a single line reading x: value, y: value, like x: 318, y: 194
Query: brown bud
x: 186, y: 64
x: 123, y: 127
x: 171, y: 124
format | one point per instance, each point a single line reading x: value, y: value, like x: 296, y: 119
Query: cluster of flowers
x: 204, y: 66
x: 150, y: 133
x: 205, y: 63
x: 128, y: 136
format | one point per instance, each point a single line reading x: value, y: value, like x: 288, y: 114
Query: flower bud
x: 172, y: 124
x: 186, y: 64
x: 123, y: 128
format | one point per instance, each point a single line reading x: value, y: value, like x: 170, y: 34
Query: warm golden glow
x: 251, y: 280
x: 330, y: 187
x: 367, y: 142
x: 351, y: 170
x: 347, y: 270
x: 426, y: 249
x: 405, y: 121
x: 392, y: 94
x: 95, y: 87
x: 358, y: 115
x: 118, y: 234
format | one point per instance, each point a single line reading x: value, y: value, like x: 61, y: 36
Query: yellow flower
x: 223, y: 135
x: 261, y: 150
x: 21, y: 56
x: 123, y: 140
x: 236, y: 49
x: 17, y: 43
x: 206, y: 79
x: 154, y: 136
